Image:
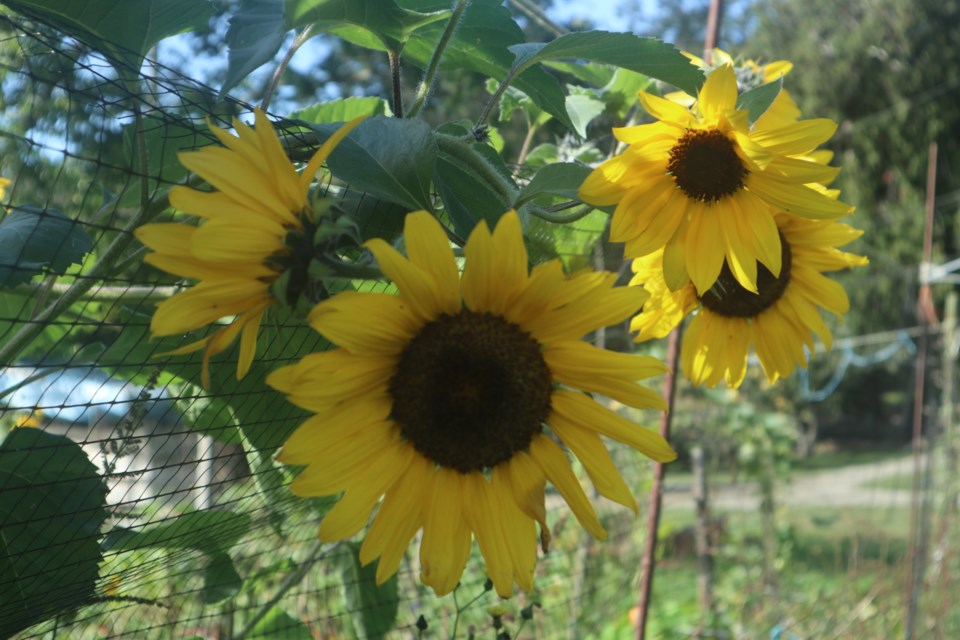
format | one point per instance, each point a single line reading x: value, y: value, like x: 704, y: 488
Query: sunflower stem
x: 557, y: 218
x: 350, y: 271
x: 648, y: 563
x: 104, y: 293
x: 459, y: 6
x: 495, y: 99
x: 142, y: 159
x: 397, y: 98
x: 274, y: 81
x: 461, y: 150
x: 536, y: 14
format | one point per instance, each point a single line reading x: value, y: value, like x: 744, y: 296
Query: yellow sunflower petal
x: 589, y: 448
x: 719, y: 92
x: 765, y: 238
x: 205, y: 303
x: 674, y: 262
x: 664, y: 110
x: 218, y: 205
x: 483, y: 516
x: 417, y: 287
x: 528, y: 483
x: 397, y: 521
x: 715, y: 349
x: 796, y: 138
x: 556, y: 467
x: 352, y: 511
x: 496, y: 268
x: 231, y: 174
x: 777, y: 345
x: 343, y: 466
x: 704, y: 250
x: 519, y: 530
x: 186, y: 267
x: 586, y: 359
x: 644, y: 133
x: 365, y: 323
x: 657, y: 220
x: 738, y: 244
x: 429, y: 249
x: 445, y: 546
x: 250, y: 321
x: 587, y: 413
x: 601, y: 307
x: 347, y: 421
x: 602, y: 186
x: 225, y: 242
x: 796, y: 199
x: 170, y: 238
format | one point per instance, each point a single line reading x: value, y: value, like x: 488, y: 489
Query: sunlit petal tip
x: 719, y: 92
x: 282, y: 379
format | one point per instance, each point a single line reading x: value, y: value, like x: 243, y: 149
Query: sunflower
x: 779, y: 321
x: 750, y: 73
x: 704, y: 185
x: 4, y: 183
x: 449, y: 399
x: 242, y: 245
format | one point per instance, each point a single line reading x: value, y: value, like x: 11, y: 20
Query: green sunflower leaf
x: 391, y: 23
x: 573, y: 243
x: 466, y: 178
x: 560, y: 179
x: 257, y: 29
x: 758, y: 100
x: 593, y: 74
x: 481, y: 43
x: 648, y: 56
x: 391, y: 158
x: 220, y: 579
x: 33, y: 240
x: 620, y: 94
x: 582, y: 108
x: 121, y: 30
x: 210, y: 532
x: 342, y: 109
x: 51, y: 509
x: 375, y: 606
x: 279, y: 624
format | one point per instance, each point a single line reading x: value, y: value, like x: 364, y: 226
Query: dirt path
x: 844, y: 486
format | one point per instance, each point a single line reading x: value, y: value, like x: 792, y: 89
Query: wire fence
x: 195, y: 534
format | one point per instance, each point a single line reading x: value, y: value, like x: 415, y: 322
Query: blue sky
x: 605, y: 14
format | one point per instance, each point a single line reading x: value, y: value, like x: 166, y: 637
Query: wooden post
x: 702, y: 528
x: 951, y: 482
x: 648, y: 562
x: 916, y: 551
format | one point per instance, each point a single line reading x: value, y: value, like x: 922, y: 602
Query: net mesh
x: 201, y: 536
x: 173, y: 459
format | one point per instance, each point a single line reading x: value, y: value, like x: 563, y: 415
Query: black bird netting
x: 155, y: 508
x: 139, y: 500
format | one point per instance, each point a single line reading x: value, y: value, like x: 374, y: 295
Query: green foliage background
x: 89, y: 132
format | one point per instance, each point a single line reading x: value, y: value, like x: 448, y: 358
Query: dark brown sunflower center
x: 728, y: 298
x: 471, y: 390
x: 705, y: 165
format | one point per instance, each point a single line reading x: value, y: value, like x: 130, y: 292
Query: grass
x: 903, y: 481
x: 840, y: 575
x: 837, y: 459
